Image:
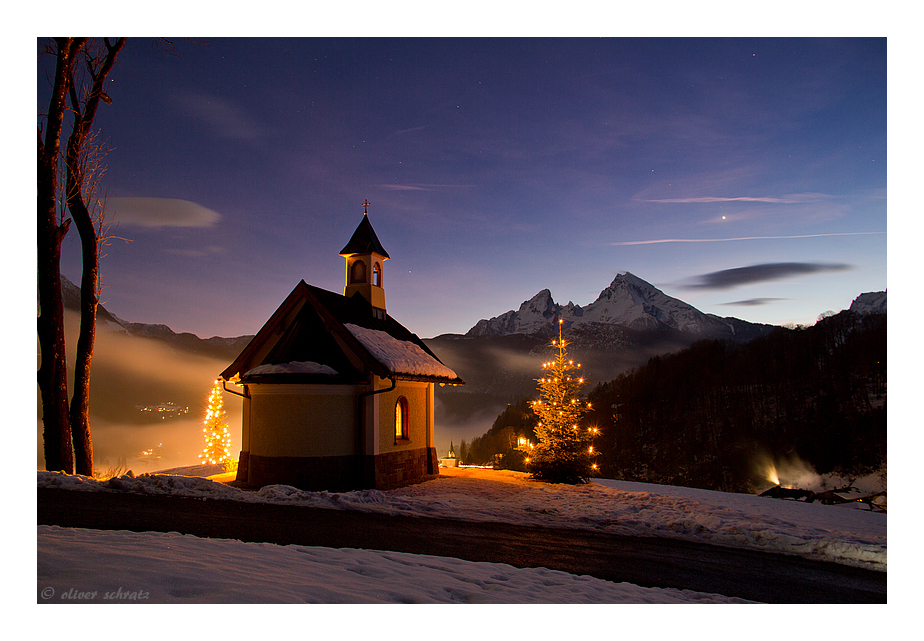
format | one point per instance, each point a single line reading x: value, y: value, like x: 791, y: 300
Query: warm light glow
x: 772, y: 476
x: 217, y: 437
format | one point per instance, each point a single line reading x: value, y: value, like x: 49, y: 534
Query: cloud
x: 160, y: 212
x: 725, y: 240
x: 224, y: 118
x: 788, y: 199
x: 417, y: 187
x: 402, y: 187
x: 728, y: 278
x: 401, y: 132
x: 210, y: 250
x: 753, y: 302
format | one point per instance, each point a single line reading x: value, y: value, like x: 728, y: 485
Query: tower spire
x: 364, y: 265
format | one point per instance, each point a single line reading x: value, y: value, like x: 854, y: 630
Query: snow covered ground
x: 83, y: 566
x: 91, y: 566
x: 830, y: 533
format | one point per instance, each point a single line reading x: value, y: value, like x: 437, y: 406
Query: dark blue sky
x: 744, y: 176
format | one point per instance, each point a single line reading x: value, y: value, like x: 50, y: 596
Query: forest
x: 710, y: 415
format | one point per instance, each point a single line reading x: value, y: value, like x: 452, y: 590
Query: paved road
x: 650, y: 562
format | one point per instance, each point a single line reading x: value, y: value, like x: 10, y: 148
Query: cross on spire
x: 366, y: 204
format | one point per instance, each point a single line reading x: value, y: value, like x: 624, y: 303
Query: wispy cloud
x: 752, y: 302
x: 222, y: 117
x: 210, y: 250
x: 728, y: 278
x: 658, y: 241
x: 417, y: 187
x: 401, y: 132
x: 789, y: 199
x: 160, y: 212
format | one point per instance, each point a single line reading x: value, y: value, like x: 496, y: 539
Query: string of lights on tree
x: 565, y: 451
x: 216, y: 434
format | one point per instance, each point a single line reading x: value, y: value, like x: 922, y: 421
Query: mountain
x: 629, y: 303
x: 870, y: 303
x: 216, y: 346
x: 629, y: 322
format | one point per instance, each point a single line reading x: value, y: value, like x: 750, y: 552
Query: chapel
x: 338, y: 395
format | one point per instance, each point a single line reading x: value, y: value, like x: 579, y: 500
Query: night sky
x: 746, y: 177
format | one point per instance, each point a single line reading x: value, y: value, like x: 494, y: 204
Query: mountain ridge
x: 628, y: 302
x: 216, y: 346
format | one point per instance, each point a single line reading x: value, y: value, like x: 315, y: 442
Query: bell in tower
x: 365, y: 257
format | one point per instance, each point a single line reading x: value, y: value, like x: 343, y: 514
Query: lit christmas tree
x: 565, y: 452
x: 216, y: 434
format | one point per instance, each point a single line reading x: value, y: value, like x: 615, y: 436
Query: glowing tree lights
x: 565, y: 451
x: 216, y: 434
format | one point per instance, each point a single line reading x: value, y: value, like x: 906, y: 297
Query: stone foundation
x: 338, y: 473
x: 243, y: 465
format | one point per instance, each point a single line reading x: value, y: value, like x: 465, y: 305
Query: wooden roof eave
x: 441, y: 380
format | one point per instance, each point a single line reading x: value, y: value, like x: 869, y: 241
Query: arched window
x: 401, y: 420
x: 376, y: 274
x: 358, y: 272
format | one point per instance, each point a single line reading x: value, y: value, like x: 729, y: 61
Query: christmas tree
x: 216, y: 434
x: 565, y: 452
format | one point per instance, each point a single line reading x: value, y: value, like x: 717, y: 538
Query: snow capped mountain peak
x: 637, y: 304
x: 632, y: 303
x: 869, y: 303
x: 628, y: 301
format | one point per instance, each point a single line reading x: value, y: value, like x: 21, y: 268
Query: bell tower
x: 365, y: 258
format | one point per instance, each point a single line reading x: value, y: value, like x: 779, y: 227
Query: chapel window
x: 358, y: 272
x: 401, y: 420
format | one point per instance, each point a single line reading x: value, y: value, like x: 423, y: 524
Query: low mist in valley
x: 129, y: 372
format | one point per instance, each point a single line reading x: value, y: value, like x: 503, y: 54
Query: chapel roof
x: 364, y: 241
x: 318, y: 336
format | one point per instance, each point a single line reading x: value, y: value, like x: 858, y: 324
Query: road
x: 649, y: 562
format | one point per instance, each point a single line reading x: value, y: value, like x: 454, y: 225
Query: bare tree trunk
x: 52, y: 373
x: 89, y: 299
x: 82, y: 169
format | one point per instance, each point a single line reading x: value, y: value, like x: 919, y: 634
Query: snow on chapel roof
x: 323, y: 337
x: 401, y: 357
x: 295, y: 367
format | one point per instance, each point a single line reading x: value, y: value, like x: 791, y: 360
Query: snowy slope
x: 92, y: 566
x: 840, y: 534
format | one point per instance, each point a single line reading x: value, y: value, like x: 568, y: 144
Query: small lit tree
x: 564, y: 452
x: 217, y: 437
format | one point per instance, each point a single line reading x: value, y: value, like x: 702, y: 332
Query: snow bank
x: 400, y: 357
x: 811, y: 530
x: 94, y: 566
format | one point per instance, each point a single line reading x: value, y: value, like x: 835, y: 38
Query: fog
x: 128, y: 372
x: 793, y: 472
x: 463, y: 416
